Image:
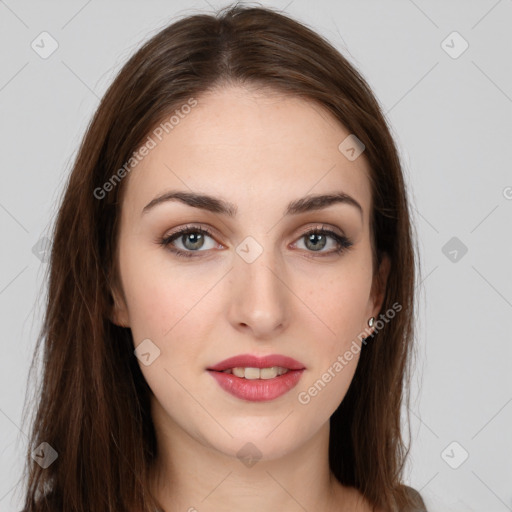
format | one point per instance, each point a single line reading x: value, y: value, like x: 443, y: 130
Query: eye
x: 193, y: 238
x: 317, y: 239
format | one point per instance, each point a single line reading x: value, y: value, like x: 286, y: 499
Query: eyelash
x: 343, y: 242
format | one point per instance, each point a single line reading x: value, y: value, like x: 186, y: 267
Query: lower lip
x: 257, y: 390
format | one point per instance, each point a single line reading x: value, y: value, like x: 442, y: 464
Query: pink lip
x: 257, y: 390
x: 251, y: 361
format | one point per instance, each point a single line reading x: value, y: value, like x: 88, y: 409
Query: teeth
x: 258, y: 373
x: 240, y: 372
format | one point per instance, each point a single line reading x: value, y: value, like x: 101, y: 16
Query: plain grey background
x: 450, y: 108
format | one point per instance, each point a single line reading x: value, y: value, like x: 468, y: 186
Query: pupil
x: 320, y: 244
x: 197, y: 236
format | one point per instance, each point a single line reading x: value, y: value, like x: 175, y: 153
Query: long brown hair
x: 93, y: 403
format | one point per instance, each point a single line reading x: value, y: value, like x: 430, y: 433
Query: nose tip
x: 258, y: 295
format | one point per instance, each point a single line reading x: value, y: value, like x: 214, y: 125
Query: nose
x: 259, y: 296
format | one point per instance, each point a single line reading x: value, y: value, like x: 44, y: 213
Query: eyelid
x: 212, y: 232
x: 342, y: 241
x: 323, y: 226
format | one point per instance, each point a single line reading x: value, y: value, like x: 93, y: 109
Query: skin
x: 259, y: 150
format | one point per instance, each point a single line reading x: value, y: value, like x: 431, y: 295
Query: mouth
x: 257, y: 379
x: 253, y: 361
x: 251, y: 373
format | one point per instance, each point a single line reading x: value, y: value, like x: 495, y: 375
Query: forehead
x: 242, y: 144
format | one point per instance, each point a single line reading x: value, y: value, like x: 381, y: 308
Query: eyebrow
x: 220, y: 206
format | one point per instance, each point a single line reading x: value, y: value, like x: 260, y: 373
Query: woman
x: 231, y: 290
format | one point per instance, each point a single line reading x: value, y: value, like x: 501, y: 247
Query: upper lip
x: 253, y: 361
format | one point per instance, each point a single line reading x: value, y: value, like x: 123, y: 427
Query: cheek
x: 340, y: 306
x: 340, y: 303
x: 158, y: 296
x: 142, y: 292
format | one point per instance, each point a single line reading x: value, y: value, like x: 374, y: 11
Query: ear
x: 119, y: 311
x: 379, y: 286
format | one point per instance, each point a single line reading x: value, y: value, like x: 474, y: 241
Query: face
x: 257, y: 281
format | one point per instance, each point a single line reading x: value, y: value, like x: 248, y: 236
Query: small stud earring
x: 371, y: 321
